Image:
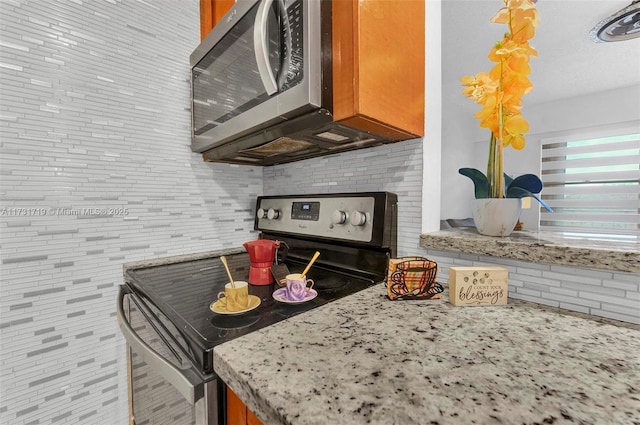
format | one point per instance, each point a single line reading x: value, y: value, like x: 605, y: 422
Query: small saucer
x: 217, y: 306
x: 281, y: 296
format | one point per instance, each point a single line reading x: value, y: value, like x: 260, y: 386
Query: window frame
x: 553, y: 192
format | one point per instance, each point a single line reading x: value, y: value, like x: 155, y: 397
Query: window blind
x: 592, y: 182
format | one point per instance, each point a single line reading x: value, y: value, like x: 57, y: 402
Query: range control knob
x: 357, y: 218
x: 261, y: 213
x: 273, y: 214
x: 338, y: 217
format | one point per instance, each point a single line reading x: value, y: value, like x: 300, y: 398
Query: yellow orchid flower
x: 500, y: 91
x: 515, y: 124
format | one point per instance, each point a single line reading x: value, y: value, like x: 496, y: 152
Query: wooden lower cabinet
x: 252, y: 419
x: 237, y: 412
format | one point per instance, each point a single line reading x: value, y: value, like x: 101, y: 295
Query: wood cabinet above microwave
x: 375, y: 92
x: 211, y: 12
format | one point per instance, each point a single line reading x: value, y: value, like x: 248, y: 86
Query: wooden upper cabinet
x: 211, y: 11
x: 378, y: 66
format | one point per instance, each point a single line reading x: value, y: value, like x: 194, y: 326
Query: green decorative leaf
x: 480, y: 181
x: 520, y: 187
x: 507, y: 180
x: 519, y: 192
x: 530, y: 182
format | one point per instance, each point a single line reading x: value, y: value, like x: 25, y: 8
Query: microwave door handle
x: 261, y: 47
x: 286, y: 62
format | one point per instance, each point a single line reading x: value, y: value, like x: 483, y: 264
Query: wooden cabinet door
x: 237, y: 412
x: 236, y: 409
x: 378, y: 65
x: 211, y: 11
x: 252, y: 419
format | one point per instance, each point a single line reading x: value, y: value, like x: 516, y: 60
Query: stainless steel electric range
x: 164, y: 311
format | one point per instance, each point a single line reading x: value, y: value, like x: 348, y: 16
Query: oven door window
x: 153, y: 398
x: 158, y: 332
x: 159, y: 343
x: 261, y: 56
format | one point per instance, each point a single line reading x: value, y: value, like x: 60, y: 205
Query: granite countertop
x: 366, y: 360
x: 539, y: 247
x: 153, y: 262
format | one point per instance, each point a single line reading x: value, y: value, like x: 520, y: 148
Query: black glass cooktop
x: 184, y: 292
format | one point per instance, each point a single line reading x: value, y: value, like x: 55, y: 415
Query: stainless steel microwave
x: 260, y: 66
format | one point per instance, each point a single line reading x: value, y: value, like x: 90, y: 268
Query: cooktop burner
x: 288, y: 310
x: 322, y: 279
x: 331, y: 284
x: 237, y: 321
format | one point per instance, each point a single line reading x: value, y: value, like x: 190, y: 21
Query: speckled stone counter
x: 366, y: 360
x: 539, y: 247
x: 180, y: 258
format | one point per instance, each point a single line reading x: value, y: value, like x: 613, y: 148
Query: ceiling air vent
x: 622, y: 25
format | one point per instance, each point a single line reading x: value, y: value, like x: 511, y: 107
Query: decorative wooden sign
x: 472, y: 286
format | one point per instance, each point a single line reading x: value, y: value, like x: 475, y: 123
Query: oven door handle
x: 184, y: 381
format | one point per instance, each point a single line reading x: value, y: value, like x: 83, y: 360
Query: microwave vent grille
x: 279, y: 146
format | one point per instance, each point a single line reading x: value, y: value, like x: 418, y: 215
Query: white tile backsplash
x: 393, y: 168
x: 599, y: 292
x: 96, y: 171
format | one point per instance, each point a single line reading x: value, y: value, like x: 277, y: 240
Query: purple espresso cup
x: 297, y: 289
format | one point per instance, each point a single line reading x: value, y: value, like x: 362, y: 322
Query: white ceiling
x: 568, y: 62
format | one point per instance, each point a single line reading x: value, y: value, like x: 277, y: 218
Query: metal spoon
x: 313, y: 259
x: 226, y: 267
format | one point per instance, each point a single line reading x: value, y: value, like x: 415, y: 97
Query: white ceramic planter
x: 496, y: 217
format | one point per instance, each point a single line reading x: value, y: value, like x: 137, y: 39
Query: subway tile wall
x: 96, y: 171
x: 604, y: 293
x: 393, y: 168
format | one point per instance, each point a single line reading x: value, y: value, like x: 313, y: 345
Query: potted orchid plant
x: 500, y: 93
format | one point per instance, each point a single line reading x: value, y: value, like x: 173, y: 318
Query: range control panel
x: 340, y: 217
